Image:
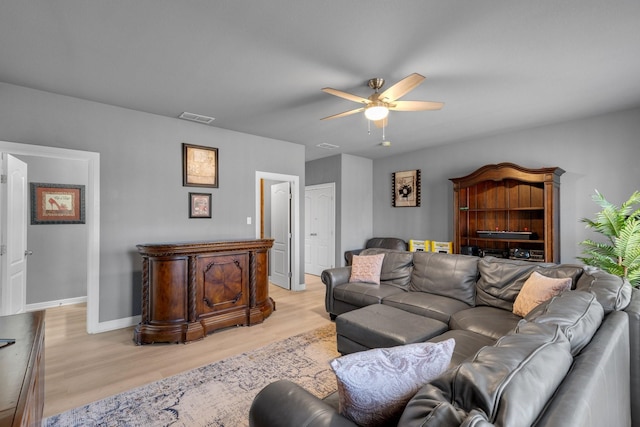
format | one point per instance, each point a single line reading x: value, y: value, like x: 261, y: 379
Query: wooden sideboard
x: 22, y: 370
x: 191, y: 289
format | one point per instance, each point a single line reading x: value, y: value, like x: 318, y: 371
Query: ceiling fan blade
x: 401, y: 88
x: 415, y: 105
x: 345, y: 95
x: 382, y: 123
x: 346, y: 113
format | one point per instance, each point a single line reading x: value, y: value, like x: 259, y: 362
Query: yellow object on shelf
x: 442, y: 247
x: 419, y: 245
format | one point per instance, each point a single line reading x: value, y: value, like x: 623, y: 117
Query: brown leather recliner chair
x: 377, y: 242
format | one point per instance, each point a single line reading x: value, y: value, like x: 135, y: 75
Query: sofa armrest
x: 286, y: 404
x: 633, y: 310
x: 333, y: 277
x: 348, y: 255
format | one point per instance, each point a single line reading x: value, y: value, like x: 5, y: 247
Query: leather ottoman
x: 378, y: 326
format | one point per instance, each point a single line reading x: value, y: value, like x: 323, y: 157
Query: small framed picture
x: 57, y: 203
x: 199, y: 205
x: 406, y: 188
x: 199, y: 166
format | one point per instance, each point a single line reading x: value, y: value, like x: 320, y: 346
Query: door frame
x: 294, y: 180
x: 92, y: 216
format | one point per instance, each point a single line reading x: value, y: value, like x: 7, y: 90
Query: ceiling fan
x: 377, y: 106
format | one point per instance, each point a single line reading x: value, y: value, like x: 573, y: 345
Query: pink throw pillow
x: 536, y: 290
x: 366, y: 268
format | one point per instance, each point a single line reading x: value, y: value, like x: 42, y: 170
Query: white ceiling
x: 257, y: 66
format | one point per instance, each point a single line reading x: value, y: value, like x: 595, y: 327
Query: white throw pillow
x: 374, y: 386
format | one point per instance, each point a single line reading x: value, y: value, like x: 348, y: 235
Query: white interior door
x: 280, y: 259
x: 13, y: 225
x: 319, y: 228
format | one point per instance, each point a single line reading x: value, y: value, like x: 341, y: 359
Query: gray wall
x: 142, y: 197
x: 600, y: 153
x: 357, y: 203
x: 354, y: 198
x: 50, y: 274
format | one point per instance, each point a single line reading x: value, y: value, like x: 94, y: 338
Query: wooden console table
x: 191, y: 289
x: 22, y: 370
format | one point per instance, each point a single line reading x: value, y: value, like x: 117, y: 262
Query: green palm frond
x: 634, y: 277
x: 602, y: 249
x: 628, y: 206
x: 628, y: 242
x: 620, y: 225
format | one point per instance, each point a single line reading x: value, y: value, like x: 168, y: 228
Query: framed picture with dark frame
x: 199, y: 166
x: 57, y: 203
x: 199, y: 205
x: 406, y: 188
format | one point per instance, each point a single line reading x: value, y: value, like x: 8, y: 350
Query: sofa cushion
x: 379, y: 325
x: 377, y: 242
x: 612, y: 292
x: 537, y: 289
x: 387, y: 243
x: 490, y: 321
x: 452, y: 276
x: 467, y: 344
x: 497, y: 382
x: 502, y: 279
x: 425, y: 304
x: 578, y: 313
x: 362, y: 294
x: 366, y: 268
x: 396, y: 266
x: 375, y: 385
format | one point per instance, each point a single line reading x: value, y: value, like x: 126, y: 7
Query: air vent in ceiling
x: 327, y: 146
x: 196, y: 118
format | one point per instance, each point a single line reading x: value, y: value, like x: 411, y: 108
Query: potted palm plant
x: 620, y: 225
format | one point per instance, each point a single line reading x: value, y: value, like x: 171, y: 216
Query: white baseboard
x: 117, y: 324
x: 101, y: 327
x: 56, y: 303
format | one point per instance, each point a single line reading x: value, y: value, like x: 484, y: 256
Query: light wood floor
x: 81, y: 368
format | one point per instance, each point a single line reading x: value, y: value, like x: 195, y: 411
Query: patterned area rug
x: 218, y: 394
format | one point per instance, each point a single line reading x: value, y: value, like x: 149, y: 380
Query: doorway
x: 13, y: 230
x: 280, y: 231
x: 92, y: 215
x: 319, y: 236
x: 294, y: 182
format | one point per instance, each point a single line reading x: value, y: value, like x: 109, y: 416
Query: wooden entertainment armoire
x: 508, y: 211
x: 191, y: 289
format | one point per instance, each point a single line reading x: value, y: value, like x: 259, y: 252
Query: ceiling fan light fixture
x: 376, y: 111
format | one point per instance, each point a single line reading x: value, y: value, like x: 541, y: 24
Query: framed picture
x: 199, y: 205
x: 199, y: 166
x: 57, y: 203
x: 406, y: 188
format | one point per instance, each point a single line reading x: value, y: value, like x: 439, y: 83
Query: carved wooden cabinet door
x: 221, y: 283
